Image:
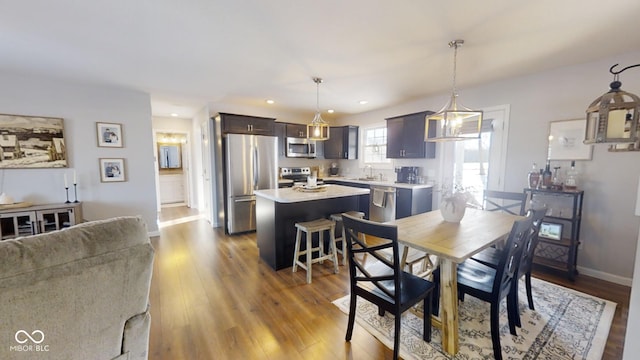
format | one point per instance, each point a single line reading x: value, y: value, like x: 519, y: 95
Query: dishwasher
x: 382, y: 203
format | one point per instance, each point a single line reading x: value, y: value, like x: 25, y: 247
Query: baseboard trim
x: 616, y: 279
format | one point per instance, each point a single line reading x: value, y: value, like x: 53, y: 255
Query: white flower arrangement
x: 457, y: 198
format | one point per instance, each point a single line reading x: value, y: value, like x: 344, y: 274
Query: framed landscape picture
x: 112, y: 170
x: 32, y: 142
x: 109, y: 134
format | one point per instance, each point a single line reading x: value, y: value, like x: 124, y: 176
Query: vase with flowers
x: 453, y: 203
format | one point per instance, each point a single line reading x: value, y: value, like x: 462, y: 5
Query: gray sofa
x: 78, y: 293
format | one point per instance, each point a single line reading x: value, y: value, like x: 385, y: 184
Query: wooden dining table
x: 453, y: 243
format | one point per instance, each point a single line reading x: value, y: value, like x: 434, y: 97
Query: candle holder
x: 66, y: 190
x: 75, y: 192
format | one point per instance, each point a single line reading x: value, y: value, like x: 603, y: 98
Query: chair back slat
x: 385, y: 274
x: 510, y: 202
x: 526, y: 262
x: 510, y: 261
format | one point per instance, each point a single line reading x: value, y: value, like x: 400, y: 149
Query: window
x: 479, y: 164
x: 374, y: 149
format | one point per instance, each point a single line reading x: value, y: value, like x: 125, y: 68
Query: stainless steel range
x: 297, y: 175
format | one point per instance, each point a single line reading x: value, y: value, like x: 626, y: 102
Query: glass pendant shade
x: 318, y: 129
x: 613, y: 117
x: 456, y: 122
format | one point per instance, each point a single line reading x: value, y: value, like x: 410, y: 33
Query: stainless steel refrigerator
x: 251, y: 163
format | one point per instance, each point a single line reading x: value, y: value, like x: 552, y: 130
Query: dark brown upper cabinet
x: 245, y: 124
x: 342, y: 143
x: 297, y: 130
x: 405, y: 137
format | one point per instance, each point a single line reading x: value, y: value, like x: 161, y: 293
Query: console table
x: 18, y: 221
x: 563, y: 208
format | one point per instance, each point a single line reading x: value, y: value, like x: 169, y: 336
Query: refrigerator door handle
x: 255, y: 167
x: 245, y: 200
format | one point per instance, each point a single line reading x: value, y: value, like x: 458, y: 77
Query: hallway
x: 172, y: 215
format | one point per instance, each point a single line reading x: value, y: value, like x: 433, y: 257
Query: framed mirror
x: 169, y: 156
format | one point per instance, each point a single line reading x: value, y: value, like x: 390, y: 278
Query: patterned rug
x: 565, y: 325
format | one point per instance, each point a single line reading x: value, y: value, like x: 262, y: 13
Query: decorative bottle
x: 556, y: 182
x: 534, y: 177
x: 540, y: 179
x: 571, y: 182
x: 547, y: 176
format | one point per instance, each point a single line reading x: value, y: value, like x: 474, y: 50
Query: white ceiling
x: 190, y: 53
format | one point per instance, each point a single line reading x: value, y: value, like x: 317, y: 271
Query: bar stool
x: 338, y: 220
x: 310, y: 227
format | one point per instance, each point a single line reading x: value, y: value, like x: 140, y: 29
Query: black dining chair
x: 380, y: 279
x: 510, y: 202
x: 491, y: 257
x: 493, y: 285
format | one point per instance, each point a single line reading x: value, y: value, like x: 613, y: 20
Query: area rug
x: 566, y: 324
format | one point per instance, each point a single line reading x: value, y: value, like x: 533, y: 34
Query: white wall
x: 609, y: 227
x: 631, y: 343
x: 81, y: 106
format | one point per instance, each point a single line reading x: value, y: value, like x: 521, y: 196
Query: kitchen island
x: 277, y: 211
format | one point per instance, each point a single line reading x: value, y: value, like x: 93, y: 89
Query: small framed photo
x: 112, y: 170
x: 551, y: 231
x: 109, y: 134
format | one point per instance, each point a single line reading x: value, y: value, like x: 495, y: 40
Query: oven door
x: 300, y: 147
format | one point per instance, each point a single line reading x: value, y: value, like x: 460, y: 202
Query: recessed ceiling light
x: 270, y: 101
x: 363, y: 102
x: 330, y: 111
x: 174, y: 114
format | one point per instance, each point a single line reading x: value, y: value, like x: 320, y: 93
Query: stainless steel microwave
x: 301, y: 147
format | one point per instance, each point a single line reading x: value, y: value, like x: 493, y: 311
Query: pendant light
x: 456, y: 121
x: 318, y: 129
x: 613, y: 117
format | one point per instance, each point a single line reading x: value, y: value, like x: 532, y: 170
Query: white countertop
x: 378, y: 182
x: 292, y: 195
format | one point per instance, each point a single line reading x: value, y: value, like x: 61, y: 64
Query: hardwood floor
x: 212, y: 298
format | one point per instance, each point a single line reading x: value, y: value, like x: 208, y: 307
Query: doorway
x: 172, y: 153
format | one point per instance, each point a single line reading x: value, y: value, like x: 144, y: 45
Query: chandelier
x: 456, y: 121
x: 318, y: 129
x: 613, y: 117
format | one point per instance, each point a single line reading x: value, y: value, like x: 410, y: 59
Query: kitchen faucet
x: 370, y: 176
